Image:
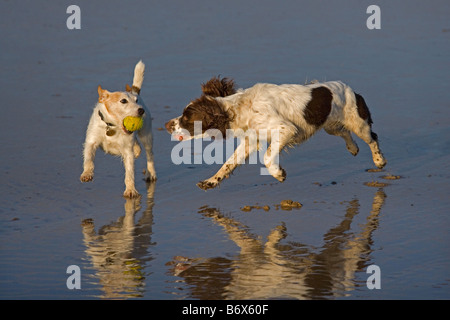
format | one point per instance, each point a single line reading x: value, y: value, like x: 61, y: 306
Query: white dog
x: 107, y: 131
x: 294, y: 112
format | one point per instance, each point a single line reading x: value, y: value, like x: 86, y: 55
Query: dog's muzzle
x: 174, y: 129
x: 170, y: 126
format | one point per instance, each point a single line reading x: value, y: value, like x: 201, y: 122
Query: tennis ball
x: 133, y: 123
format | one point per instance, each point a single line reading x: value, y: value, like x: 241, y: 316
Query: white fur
x: 138, y: 78
x: 110, y: 135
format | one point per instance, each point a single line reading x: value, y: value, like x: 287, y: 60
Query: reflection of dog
x: 283, y: 269
x: 296, y: 112
x: 120, y: 251
x: 106, y: 130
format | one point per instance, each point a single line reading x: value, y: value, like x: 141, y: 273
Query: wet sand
x: 179, y: 242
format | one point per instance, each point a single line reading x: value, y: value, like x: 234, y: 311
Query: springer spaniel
x: 294, y: 112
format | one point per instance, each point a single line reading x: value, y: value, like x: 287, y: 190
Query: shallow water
x: 178, y: 242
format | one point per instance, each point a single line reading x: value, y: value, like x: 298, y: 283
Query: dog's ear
x: 103, y: 94
x: 220, y: 122
x: 217, y: 87
x: 215, y: 116
x: 127, y: 88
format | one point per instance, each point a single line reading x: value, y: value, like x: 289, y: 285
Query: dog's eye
x: 137, y: 100
x: 123, y: 101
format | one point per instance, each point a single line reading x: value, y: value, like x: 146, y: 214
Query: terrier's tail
x: 138, y: 77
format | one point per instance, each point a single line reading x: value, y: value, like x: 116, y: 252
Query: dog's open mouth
x: 183, y: 136
x: 179, y: 137
x: 126, y: 130
x: 131, y: 124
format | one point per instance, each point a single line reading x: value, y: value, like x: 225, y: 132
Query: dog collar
x: 109, y: 124
x: 109, y: 131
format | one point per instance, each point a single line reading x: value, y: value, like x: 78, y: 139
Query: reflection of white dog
x: 106, y: 130
x: 295, y: 111
x: 121, y: 250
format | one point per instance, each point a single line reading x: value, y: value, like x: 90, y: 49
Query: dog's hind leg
x: 361, y: 125
x: 279, y: 139
x: 371, y: 138
x: 136, y: 149
x: 340, y: 131
x: 147, y: 141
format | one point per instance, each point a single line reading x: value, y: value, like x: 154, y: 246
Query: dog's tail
x: 138, y: 77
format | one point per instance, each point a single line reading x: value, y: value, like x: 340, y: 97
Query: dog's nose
x: 141, y: 111
x: 169, y: 126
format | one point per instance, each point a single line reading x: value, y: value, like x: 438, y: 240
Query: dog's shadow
x: 119, y: 251
x: 279, y: 270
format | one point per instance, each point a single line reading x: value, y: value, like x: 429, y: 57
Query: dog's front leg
x: 243, y: 150
x: 128, y: 162
x: 88, y: 162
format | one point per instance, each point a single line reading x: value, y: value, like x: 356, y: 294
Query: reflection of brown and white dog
x: 106, y: 130
x: 295, y: 112
x: 279, y: 269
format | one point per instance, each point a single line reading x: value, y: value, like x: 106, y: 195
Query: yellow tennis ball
x: 133, y: 123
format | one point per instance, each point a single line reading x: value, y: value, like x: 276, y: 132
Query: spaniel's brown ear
x: 221, y: 122
x: 215, y: 116
x: 217, y: 87
x: 127, y: 88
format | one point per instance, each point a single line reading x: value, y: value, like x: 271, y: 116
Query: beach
x: 237, y: 241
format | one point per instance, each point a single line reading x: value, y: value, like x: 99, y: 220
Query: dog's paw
x: 87, y: 223
x: 379, y: 160
x: 207, y: 184
x: 86, y: 177
x: 381, y: 163
x: 353, y: 149
x: 277, y: 172
x: 280, y: 175
x: 150, y: 178
x: 276, y: 235
x: 131, y: 193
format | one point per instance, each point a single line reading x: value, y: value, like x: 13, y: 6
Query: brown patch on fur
x: 217, y: 87
x: 132, y: 89
x: 113, y: 97
x: 207, y: 109
x: 363, y: 110
x: 319, y: 107
x: 374, y: 136
x: 136, y: 90
x: 209, y: 112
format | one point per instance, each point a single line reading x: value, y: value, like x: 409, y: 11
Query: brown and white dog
x: 294, y: 111
x: 106, y: 130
